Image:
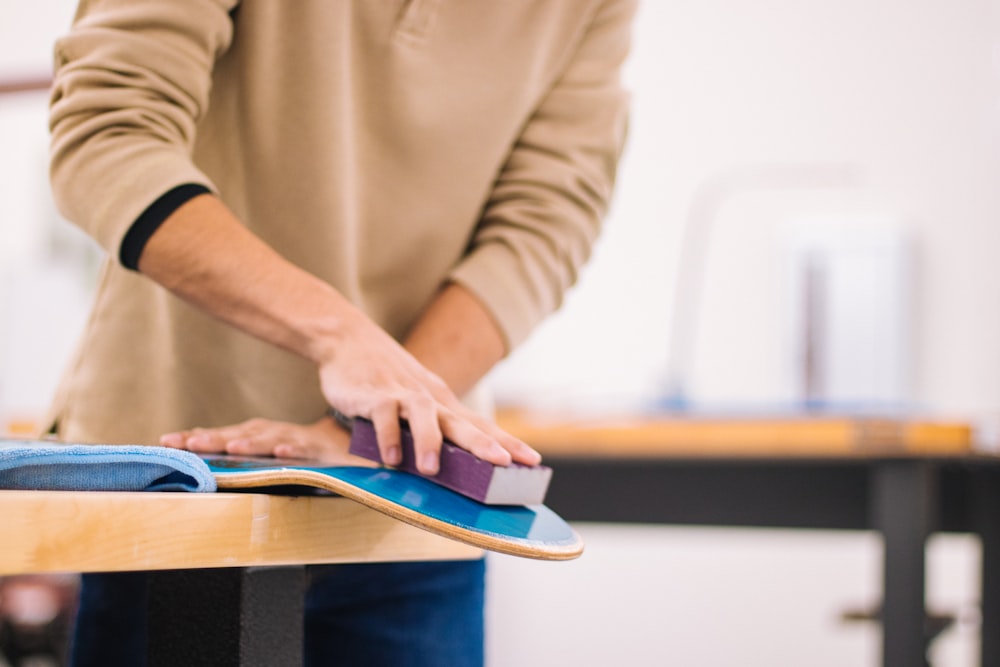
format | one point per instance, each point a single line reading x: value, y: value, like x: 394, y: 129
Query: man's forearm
x: 205, y: 256
x: 457, y: 339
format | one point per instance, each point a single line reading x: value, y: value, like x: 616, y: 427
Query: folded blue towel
x: 46, y: 466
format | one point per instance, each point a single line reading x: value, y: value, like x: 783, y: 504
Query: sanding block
x: 460, y: 470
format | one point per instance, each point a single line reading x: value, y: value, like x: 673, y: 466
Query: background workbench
x: 904, y: 479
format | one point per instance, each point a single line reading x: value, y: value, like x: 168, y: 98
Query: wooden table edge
x: 637, y: 437
x: 63, y: 531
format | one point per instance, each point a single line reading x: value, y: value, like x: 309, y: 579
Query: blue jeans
x: 378, y: 615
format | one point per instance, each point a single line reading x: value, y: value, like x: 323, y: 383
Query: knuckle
x: 384, y: 405
x: 421, y: 401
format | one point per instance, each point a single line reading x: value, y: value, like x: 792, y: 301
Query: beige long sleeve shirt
x: 386, y: 146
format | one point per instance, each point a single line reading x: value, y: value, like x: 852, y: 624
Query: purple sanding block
x: 462, y: 471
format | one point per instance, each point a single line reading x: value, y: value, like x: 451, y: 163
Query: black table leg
x: 247, y: 617
x: 986, y: 515
x: 904, y: 498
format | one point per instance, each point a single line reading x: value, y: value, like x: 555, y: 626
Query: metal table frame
x: 905, y: 499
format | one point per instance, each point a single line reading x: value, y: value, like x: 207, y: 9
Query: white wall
x: 703, y: 597
x: 46, y: 266
x: 907, y: 92
x: 29, y: 30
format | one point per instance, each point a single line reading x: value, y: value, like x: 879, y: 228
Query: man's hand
x: 368, y: 374
x: 323, y: 440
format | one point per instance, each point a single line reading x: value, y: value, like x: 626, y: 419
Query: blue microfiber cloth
x: 46, y: 466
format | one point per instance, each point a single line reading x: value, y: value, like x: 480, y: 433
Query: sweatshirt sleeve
x: 132, y: 81
x: 544, y: 213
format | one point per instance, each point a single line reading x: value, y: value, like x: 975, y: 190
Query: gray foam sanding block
x: 461, y: 471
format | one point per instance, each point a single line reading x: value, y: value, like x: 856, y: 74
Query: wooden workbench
x: 902, y: 478
x: 228, y: 578
x: 633, y: 436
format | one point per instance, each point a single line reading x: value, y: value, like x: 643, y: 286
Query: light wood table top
x: 646, y: 436
x: 62, y: 531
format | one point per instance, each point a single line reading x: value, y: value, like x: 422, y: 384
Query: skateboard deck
x: 532, y: 531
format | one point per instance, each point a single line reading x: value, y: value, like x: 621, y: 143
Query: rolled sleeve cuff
x: 150, y: 220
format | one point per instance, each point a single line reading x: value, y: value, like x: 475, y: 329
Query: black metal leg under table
x: 245, y: 617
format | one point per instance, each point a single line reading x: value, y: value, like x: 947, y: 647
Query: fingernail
x: 429, y: 464
x: 503, y: 454
x: 393, y: 455
x: 171, y: 440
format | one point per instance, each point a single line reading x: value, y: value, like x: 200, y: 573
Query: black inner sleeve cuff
x: 150, y: 220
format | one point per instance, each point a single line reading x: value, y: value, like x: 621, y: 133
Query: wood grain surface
x: 633, y: 436
x: 61, y: 531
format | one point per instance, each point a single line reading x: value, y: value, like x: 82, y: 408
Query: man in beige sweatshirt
x: 360, y: 204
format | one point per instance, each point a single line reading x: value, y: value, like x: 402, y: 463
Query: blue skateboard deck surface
x: 533, y: 531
